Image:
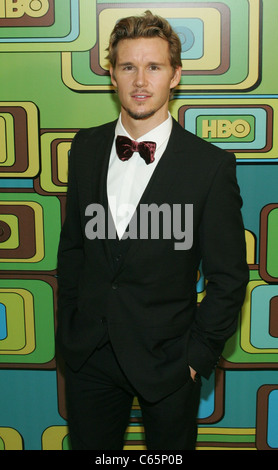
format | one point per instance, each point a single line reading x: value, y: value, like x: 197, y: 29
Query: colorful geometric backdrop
x: 54, y: 81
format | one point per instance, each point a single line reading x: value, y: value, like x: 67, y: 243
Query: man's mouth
x: 140, y: 96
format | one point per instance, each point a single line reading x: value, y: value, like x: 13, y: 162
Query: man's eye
x: 154, y: 67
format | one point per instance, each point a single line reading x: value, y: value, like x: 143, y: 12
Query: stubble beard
x: 140, y: 116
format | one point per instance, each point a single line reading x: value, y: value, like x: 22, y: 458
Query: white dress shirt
x: 127, y: 180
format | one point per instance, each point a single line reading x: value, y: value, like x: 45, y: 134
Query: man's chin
x: 140, y: 116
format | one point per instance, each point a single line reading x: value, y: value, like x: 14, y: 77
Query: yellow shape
x: 52, y: 437
x: 3, y: 144
x: 31, y: 139
x: 83, y: 39
x: 245, y: 330
x: 7, y: 152
x: 69, y: 80
x: 135, y: 402
x: 133, y: 429
x: 253, y: 54
x: 177, y: 104
x: 134, y: 447
x: 11, y: 438
x: 212, y: 48
x: 250, y: 247
x: 224, y: 448
x: 227, y: 431
x: 46, y: 180
x: 13, y: 241
x: 211, y: 18
x: 39, y: 233
x: 62, y: 161
x: 28, y: 343
x: 14, y: 305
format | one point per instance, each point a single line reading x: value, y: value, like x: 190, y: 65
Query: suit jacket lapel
x: 164, y: 175
x: 102, y: 150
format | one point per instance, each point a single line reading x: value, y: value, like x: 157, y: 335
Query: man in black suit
x: 147, y: 203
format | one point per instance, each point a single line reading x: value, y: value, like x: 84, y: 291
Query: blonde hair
x: 145, y: 26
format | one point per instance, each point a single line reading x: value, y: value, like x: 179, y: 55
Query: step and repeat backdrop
x: 53, y: 81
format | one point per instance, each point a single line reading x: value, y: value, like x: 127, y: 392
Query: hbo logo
x: 223, y: 128
x: 34, y: 8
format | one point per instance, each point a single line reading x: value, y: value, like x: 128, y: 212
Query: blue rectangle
x: 24, y: 183
x: 191, y: 34
x: 272, y: 427
x: 3, y: 322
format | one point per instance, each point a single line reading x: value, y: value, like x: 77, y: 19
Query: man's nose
x: 140, y: 78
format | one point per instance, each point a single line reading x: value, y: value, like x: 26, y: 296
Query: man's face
x: 144, y: 76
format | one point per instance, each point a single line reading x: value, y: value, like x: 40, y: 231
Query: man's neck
x: 139, y: 127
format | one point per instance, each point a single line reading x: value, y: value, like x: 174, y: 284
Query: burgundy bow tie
x: 126, y: 147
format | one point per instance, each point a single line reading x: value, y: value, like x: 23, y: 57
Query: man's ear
x: 112, y: 75
x: 176, y: 77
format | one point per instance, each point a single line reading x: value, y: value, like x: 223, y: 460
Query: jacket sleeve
x: 70, y: 251
x: 223, y: 251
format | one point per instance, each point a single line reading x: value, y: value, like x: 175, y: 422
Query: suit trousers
x: 99, y: 400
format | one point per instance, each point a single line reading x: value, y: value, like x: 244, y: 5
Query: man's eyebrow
x: 152, y: 62
x: 125, y: 63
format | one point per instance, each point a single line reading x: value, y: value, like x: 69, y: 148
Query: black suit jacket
x: 149, y: 303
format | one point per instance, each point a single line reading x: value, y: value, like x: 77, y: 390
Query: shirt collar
x: 159, y: 134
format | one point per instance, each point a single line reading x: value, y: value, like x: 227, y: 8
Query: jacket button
x: 115, y: 285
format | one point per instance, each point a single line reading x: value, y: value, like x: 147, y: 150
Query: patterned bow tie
x: 126, y: 147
